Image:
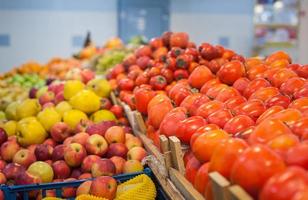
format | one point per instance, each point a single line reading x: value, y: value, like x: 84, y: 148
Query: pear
x: 73, y: 117
x: 85, y: 101
x: 30, y: 131
x: 10, y: 127
x: 28, y: 108
x: 10, y: 111
x: 62, y: 107
x: 100, y: 86
x: 48, y: 117
x: 71, y: 88
x: 103, y: 115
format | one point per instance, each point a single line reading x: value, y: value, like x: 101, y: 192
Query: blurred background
x: 37, y: 29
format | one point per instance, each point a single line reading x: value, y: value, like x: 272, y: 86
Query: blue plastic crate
x: 12, y: 192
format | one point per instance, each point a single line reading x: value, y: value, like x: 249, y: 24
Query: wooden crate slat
x: 140, y: 122
x: 177, y: 154
x: 219, y: 186
x: 164, y: 146
x: 238, y: 193
x: 114, y: 99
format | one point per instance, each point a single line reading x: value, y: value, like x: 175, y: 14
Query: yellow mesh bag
x: 52, y: 198
x: 89, y: 197
x: 139, y: 188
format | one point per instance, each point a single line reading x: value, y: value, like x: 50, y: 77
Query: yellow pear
x: 100, y: 86
x: 28, y: 108
x: 10, y: 111
x: 48, y: 117
x: 86, y: 101
x: 10, y: 127
x: 73, y: 117
x: 30, y: 131
x: 71, y: 88
x: 103, y: 115
x: 62, y: 107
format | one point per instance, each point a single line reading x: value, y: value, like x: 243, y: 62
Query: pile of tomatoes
x: 246, y: 118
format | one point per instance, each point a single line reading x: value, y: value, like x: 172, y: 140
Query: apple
x: 9, y: 149
x: 133, y: 142
x: 59, y: 97
x: 32, y: 93
x: 24, y: 157
x: 87, y: 75
x: 97, y: 145
x: 42, y: 170
x: 69, y: 192
x: 74, y: 154
x: 3, y: 136
x: 56, y: 87
x: 2, y: 178
x: 103, y: 167
x: 48, y: 105
x: 46, y: 97
x: 128, y: 136
x: 117, y: 111
x: 117, y: 149
x: 80, y: 138
x: 84, y: 188
x: 50, y: 142
x: 43, y: 152
x: 115, y: 134
x: 83, y: 125
x: 132, y: 166
x: 88, y: 162
x: 118, y: 163
x: 68, y: 140
x: 104, y: 186
x: 2, y: 164
x: 61, y: 169
x: 25, y: 178
x: 58, y: 152
x: 32, y: 148
x: 85, y: 176
x: 60, y: 131
x: 100, y: 128
x: 105, y: 103
x: 76, y: 173
x: 11, y: 170
x: 49, y: 162
x: 136, y: 153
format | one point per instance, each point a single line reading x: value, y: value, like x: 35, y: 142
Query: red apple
x: 50, y: 142
x: 100, y: 128
x: 9, y: 149
x: 84, y: 188
x: 85, y: 176
x: 56, y: 88
x: 59, y: 97
x: 1, y: 195
x: 25, y: 178
x: 105, y: 103
x: 61, y: 169
x: 60, y: 131
x: 3, y: 136
x: 58, y: 152
x: 32, y: 148
x: 103, y: 167
x: 11, y: 170
x: 68, y: 140
x: 74, y: 154
x: 48, y: 105
x: 24, y: 157
x: 76, y: 173
x: 133, y: 142
x: 117, y: 149
x: 46, y: 98
x: 117, y: 111
x: 2, y: 178
x: 132, y: 166
x: 80, y: 138
x: 104, y: 186
x: 88, y: 162
x: 87, y: 75
x: 128, y: 136
x: 136, y: 153
x: 96, y: 144
x: 69, y: 192
x: 115, y: 134
x: 118, y: 163
x: 43, y: 152
x: 83, y: 125
x: 2, y: 164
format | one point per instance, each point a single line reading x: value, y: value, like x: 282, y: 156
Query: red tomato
x: 254, y: 86
x: 191, y: 169
x: 158, y: 82
x: 188, y: 127
x: 170, y: 63
x: 228, y: 54
x: 245, y: 134
x: 268, y: 130
x: 208, y: 108
x: 143, y: 61
x: 169, y: 125
x: 278, y: 55
x: 302, y: 92
x: 208, y: 85
x: 141, y: 79
x: 215, y: 64
x: 142, y: 98
x: 282, y: 143
x: 144, y: 50
x: 225, y: 155
x: 205, y: 144
x: 256, y: 71
x: 300, y: 104
x: 194, y: 52
x: 215, y: 89
x: 302, y: 71
x: 270, y: 111
x: 208, y: 51
x: 240, y: 84
x: 126, y: 84
x: 202, y: 178
x: 231, y: 71
x: 117, y: 111
x: 168, y: 74
x: 282, y: 76
x: 278, y: 100
x: 253, y: 108
x: 288, y: 116
x: 183, y: 61
x: 134, y: 74
x: 297, y: 155
x: 234, y: 102
x: 285, y: 185
x: 201, y: 130
x: 300, y: 127
x: 179, y: 39
x: 227, y: 93
x: 237, y: 124
x: 199, y: 76
x: 292, y: 85
x: 265, y: 93
x: 220, y: 117
x: 156, y: 43
x: 193, y: 102
x: 153, y: 71
x: 254, y: 167
x: 180, y: 74
x: 187, y: 156
x: 179, y: 92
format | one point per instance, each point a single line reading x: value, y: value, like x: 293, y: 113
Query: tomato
x: 297, y: 155
x: 215, y: 64
x: 252, y: 62
x: 288, y: 116
x: 179, y: 92
x: 158, y: 82
x: 256, y: 71
x: 227, y: 93
x: 268, y: 130
x: 231, y: 71
x: 179, y: 39
x: 170, y: 63
x: 300, y: 104
x: 191, y: 169
x: 302, y: 71
x: 187, y: 156
x: 254, y: 167
x: 205, y: 144
x: 201, y: 130
x: 117, y: 69
x: 120, y: 77
x: 278, y: 55
x: 215, y: 89
x: 240, y: 84
x: 301, y: 194
x: 278, y: 100
x: 156, y: 43
x: 168, y: 74
x: 282, y: 143
x: 209, y: 84
x: 228, y: 54
x: 234, y: 102
x: 300, y: 127
x: 279, y: 64
x: 199, y: 76
x: 194, y: 52
x: 208, y: 108
x: 141, y: 79
x: 253, y: 108
x: 130, y: 100
x: 225, y: 155
x: 134, y: 74
x: 143, y: 50
x: 143, y: 61
x: 202, y: 178
x: 270, y: 111
x: 254, y: 85
x: 292, y: 85
x: 126, y: 84
x: 142, y: 97
x: 245, y: 134
x: 285, y: 185
x: 220, y: 117
x: 159, y: 103
x: 153, y: 71
x: 170, y: 124
x: 208, y: 51
x: 183, y: 61
x: 180, y: 74
x: 282, y: 76
x: 302, y: 92
x: 188, y: 126
x: 237, y: 124
x: 238, y: 57
x: 193, y: 102
x: 265, y: 93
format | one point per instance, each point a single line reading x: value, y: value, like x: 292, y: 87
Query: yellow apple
x: 73, y: 117
x: 42, y: 170
x: 48, y: 117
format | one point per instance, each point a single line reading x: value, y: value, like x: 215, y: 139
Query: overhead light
x: 278, y: 5
x: 259, y: 8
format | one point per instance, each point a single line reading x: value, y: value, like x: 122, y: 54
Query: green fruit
x: 10, y: 127
x: 48, y: 117
x: 2, y: 116
x: 42, y: 170
x: 103, y: 115
x: 100, y: 86
x: 30, y: 131
x: 71, y: 88
x: 86, y: 101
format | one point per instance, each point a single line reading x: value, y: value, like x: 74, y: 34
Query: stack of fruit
x: 246, y: 118
x: 66, y: 132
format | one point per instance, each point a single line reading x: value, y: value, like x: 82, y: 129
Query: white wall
x: 303, y: 33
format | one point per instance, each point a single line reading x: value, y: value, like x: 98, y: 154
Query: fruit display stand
x: 168, y: 166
